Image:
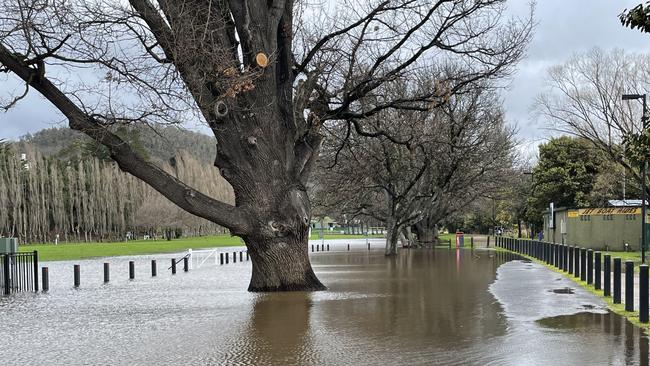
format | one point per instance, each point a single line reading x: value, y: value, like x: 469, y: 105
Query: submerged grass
x: 631, y: 316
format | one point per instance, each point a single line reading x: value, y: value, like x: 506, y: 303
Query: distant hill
x: 160, y: 142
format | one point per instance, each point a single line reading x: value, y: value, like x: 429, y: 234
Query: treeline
x: 85, y: 198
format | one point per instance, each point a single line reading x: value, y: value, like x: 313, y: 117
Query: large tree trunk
x: 281, y: 264
x: 427, y: 234
x: 391, y: 238
x: 278, y: 241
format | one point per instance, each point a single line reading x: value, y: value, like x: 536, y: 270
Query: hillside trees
x: 265, y: 76
x: 86, y: 199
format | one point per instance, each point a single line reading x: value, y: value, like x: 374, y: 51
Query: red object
x: 460, y: 239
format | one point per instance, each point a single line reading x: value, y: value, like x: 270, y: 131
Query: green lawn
x: 69, y: 251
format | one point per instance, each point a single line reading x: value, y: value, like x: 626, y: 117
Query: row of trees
x: 427, y: 168
x: 86, y: 199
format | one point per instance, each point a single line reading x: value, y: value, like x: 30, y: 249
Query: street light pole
x: 643, y: 98
x: 643, y: 187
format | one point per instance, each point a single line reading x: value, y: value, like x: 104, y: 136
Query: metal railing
x: 18, y: 272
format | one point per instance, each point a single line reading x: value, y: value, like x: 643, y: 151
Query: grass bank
x: 70, y: 251
x: 632, y: 316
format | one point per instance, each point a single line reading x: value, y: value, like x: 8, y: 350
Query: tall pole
x: 643, y: 187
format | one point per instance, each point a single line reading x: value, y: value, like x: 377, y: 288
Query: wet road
x: 425, y: 307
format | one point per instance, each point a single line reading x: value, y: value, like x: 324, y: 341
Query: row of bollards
x: 224, y: 258
x: 154, y: 269
x: 590, y: 266
x: 321, y: 247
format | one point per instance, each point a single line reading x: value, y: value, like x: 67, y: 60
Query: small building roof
x: 625, y: 203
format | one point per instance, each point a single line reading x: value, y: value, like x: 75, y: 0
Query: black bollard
x: 566, y: 258
x: 348, y: 247
x: 576, y: 262
x: 318, y: 248
x: 488, y: 241
x: 583, y: 264
x: 241, y: 256
x: 597, y: 271
x: 107, y: 272
x: 570, y: 260
x: 328, y: 247
x: 369, y: 244
x: 154, y: 269
x: 173, y: 266
x: 247, y: 256
x: 227, y: 256
x: 471, y: 242
x: 221, y: 258
x: 629, y: 286
x: 186, y: 265
x: 607, y: 275
x: 617, y: 280
x: 643, y: 293
x: 45, y: 277
x: 131, y: 270
x: 234, y: 257
x: 590, y: 266
x: 312, y: 248
x: 77, y: 275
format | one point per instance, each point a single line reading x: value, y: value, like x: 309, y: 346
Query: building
x: 603, y: 228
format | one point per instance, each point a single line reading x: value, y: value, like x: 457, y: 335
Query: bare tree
x: 454, y: 155
x: 583, y: 98
x: 265, y: 76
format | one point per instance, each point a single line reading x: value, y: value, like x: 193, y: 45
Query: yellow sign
x: 605, y: 211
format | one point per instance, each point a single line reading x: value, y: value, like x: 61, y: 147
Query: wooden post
x: 45, y: 277
x: 35, y: 264
x: 107, y: 272
x: 617, y: 280
x: 131, y: 270
x: 607, y: 275
x: 77, y: 275
x: 629, y: 286
x: 590, y: 267
x: 597, y: 270
x: 583, y: 264
x: 576, y: 262
x: 643, y: 293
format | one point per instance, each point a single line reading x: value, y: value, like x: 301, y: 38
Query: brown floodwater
x: 425, y: 307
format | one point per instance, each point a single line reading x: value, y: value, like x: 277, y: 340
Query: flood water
x: 427, y: 307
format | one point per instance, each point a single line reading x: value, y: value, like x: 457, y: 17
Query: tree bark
x: 281, y: 264
x: 391, y: 238
x: 427, y: 234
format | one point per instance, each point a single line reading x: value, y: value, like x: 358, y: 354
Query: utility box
x: 8, y: 245
x: 460, y: 239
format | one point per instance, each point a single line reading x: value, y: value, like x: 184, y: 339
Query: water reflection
x: 423, y: 307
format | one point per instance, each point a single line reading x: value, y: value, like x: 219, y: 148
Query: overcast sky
x: 564, y: 27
